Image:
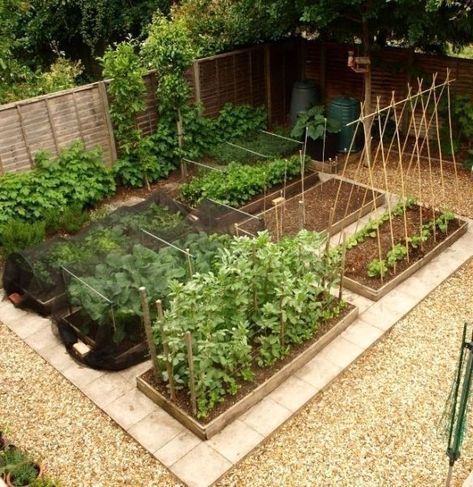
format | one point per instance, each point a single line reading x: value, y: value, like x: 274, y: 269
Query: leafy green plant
x: 18, y: 235
x: 236, y: 121
x: 70, y: 220
x: 258, y: 142
x: 239, y: 183
x: 257, y: 292
x: 120, y: 275
x: 77, y: 177
x: 19, y: 465
x: 316, y: 124
x: 377, y: 268
x: 23, y: 474
x: 462, y: 123
x: 468, y: 161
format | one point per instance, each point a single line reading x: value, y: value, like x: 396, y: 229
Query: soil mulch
x: 319, y: 203
x: 358, y: 258
x: 261, y: 374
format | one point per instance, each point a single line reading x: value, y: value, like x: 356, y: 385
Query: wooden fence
x: 261, y: 75
x: 53, y: 122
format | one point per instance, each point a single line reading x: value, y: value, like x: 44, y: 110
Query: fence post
x: 108, y: 121
x: 196, y: 71
x: 23, y: 133
x: 267, y: 78
x: 51, y: 124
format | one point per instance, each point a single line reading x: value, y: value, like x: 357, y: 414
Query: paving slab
x: 319, y: 372
x: 106, y: 388
x: 341, y: 352
x: 201, y: 466
x: 130, y: 408
x: 156, y: 430
x: 266, y: 416
x: 175, y: 449
x: 293, y: 393
x: 362, y: 334
x: 236, y: 441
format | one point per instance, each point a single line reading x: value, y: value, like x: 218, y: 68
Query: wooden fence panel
x: 52, y: 123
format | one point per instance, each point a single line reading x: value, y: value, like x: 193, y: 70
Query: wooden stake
x: 190, y: 361
x: 342, y: 272
x: 237, y: 229
x: 159, y: 309
x: 401, y: 173
x: 437, y: 129
x: 149, y: 333
x: 301, y: 215
x: 431, y: 178
x: 451, y: 133
x: 189, y: 263
x: 388, y: 198
x: 282, y: 329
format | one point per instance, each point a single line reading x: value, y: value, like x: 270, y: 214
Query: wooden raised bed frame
x: 255, y: 207
x: 339, y: 225
x: 208, y: 430
x: 376, y: 294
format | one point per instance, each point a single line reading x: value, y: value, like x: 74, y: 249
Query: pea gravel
x: 378, y: 423
x: 79, y: 444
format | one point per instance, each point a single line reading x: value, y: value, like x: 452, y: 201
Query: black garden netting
x: 90, y: 282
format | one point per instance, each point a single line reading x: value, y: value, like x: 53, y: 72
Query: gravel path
x: 377, y: 424
x: 81, y: 446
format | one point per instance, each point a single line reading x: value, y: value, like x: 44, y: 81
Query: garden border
x: 205, y: 432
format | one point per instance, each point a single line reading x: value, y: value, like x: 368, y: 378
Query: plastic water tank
x: 305, y: 94
x: 346, y: 109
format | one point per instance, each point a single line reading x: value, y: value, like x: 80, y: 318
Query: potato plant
x: 260, y: 300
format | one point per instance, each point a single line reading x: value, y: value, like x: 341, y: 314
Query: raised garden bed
x: 354, y: 201
x: 359, y: 257
x: 215, y: 216
x: 331, y: 166
x: 266, y: 380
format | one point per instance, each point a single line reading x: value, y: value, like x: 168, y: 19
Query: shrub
x: 76, y: 177
x: 18, y: 235
x: 69, y: 220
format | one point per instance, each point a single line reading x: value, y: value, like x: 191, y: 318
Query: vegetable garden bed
x: 320, y: 201
x: 211, y: 214
x: 363, y: 264
x: 265, y: 381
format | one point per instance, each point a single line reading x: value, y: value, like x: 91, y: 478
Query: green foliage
x: 23, y: 474
x: 76, y: 178
x: 19, y: 465
x: 378, y: 268
x: 120, y: 275
x: 123, y: 66
x: 17, y: 235
x: 461, y: 108
x: 239, y: 183
x: 116, y: 235
x: 68, y: 220
x: 261, y: 299
x: 316, y: 124
x: 216, y: 26
x: 235, y: 121
x: 169, y: 50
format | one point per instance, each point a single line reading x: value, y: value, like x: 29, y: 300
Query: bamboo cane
x: 401, y: 173
x: 342, y: 272
x: 167, y: 355
x: 451, y: 133
x: 149, y: 333
x: 190, y: 361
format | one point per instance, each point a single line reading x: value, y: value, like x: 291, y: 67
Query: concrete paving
x: 200, y: 463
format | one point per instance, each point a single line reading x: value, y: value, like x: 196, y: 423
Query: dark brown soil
x: 319, y: 202
x: 358, y: 258
x: 262, y: 374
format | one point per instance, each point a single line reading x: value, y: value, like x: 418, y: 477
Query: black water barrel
x: 346, y: 109
x: 305, y: 94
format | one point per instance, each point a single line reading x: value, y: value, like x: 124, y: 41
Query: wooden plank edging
x: 208, y: 430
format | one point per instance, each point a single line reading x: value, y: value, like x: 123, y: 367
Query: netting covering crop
x: 90, y: 282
